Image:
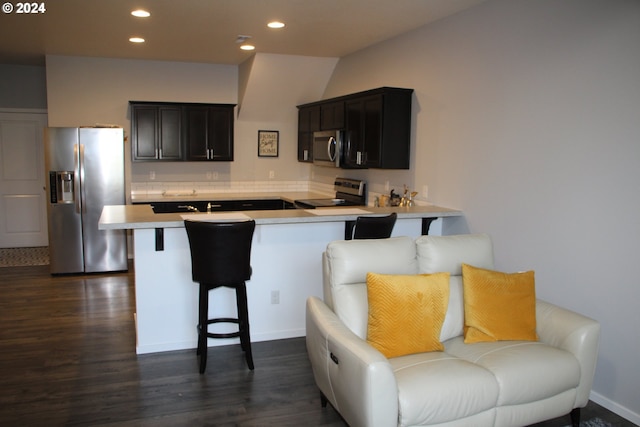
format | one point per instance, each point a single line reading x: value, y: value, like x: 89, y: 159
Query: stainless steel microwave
x: 327, y: 148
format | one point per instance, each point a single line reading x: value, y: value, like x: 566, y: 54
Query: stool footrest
x: 222, y: 320
x: 223, y: 335
x: 235, y: 334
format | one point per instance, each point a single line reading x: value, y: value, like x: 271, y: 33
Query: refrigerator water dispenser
x: 62, y: 186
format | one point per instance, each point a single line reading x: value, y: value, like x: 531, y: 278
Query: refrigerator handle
x: 76, y: 179
x: 81, y: 197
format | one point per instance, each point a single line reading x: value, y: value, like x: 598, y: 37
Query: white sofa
x: 504, y: 383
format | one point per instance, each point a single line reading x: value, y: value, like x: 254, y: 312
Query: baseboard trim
x: 615, y: 407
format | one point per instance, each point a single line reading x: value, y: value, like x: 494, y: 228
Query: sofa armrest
x: 574, y: 333
x: 355, y: 377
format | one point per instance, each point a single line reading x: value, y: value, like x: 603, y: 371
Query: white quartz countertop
x: 123, y: 217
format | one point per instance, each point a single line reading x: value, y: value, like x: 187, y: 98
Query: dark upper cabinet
x: 377, y: 125
x: 167, y: 131
x: 378, y: 129
x: 209, y: 132
x: 308, y: 122
x: 332, y: 115
x: 156, y: 132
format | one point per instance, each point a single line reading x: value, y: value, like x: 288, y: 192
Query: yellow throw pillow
x: 406, y: 312
x: 498, y: 306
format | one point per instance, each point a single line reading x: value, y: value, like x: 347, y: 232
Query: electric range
x: 349, y: 192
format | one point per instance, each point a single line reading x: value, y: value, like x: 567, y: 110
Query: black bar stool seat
x: 374, y: 227
x: 221, y: 257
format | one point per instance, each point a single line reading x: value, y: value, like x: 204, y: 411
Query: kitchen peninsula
x: 286, y: 262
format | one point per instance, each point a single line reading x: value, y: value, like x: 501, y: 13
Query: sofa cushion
x: 498, y: 306
x: 346, y: 265
x: 526, y: 371
x: 406, y: 312
x: 446, y: 254
x: 436, y: 387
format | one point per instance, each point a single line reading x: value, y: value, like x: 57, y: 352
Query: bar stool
x: 221, y: 257
x: 374, y: 227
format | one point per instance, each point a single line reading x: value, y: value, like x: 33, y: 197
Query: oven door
x: 327, y: 148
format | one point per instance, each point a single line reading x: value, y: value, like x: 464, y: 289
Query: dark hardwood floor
x: 67, y: 357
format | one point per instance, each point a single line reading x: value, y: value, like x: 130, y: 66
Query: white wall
x: 527, y: 118
x: 22, y: 86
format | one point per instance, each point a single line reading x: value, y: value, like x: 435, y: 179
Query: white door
x: 23, y: 209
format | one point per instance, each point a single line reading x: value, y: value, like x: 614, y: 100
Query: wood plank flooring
x: 67, y: 357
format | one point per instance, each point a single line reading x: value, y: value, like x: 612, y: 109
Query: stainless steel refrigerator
x: 85, y: 171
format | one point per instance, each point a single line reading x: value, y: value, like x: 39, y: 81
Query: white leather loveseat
x: 503, y: 383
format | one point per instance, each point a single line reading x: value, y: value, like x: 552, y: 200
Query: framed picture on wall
x: 268, y: 141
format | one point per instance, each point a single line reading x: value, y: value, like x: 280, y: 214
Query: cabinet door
x: 364, y: 132
x: 169, y: 142
x: 209, y: 133
x: 372, y: 125
x: 308, y: 122
x: 354, y: 140
x: 144, y: 133
x: 332, y: 115
x: 220, y: 133
x: 196, y: 133
x: 155, y: 132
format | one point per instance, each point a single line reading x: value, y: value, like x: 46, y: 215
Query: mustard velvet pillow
x: 498, y: 306
x: 406, y: 312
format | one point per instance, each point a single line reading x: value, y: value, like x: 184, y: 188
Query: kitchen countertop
x: 142, y: 216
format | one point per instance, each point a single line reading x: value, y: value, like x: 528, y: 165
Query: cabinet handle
x: 359, y: 158
x: 305, y: 155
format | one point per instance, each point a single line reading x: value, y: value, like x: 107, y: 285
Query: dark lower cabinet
x: 220, y: 205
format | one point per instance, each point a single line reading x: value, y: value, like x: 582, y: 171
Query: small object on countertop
x: 395, y: 198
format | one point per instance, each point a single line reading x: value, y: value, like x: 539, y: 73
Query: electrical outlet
x: 214, y: 175
x: 275, y: 297
x: 425, y: 191
x: 209, y: 176
x: 272, y: 174
x: 152, y: 175
x: 386, y: 186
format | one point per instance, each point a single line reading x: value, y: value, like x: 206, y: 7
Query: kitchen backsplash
x: 157, y: 187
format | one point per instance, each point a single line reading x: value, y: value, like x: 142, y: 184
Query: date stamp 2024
x: 21, y: 8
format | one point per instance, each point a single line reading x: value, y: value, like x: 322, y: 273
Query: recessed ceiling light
x: 141, y: 13
x: 247, y: 47
x: 136, y: 40
x: 275, y: 24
